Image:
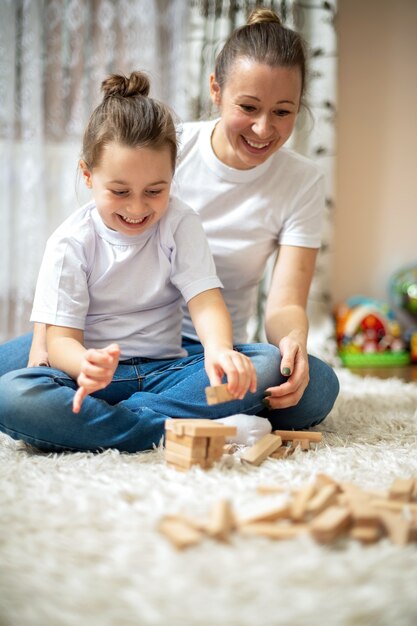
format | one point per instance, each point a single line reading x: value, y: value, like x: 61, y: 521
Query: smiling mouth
x: 134, y: 222
x: 257, y: 144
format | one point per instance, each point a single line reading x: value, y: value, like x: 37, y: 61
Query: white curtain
x: 53, y: 56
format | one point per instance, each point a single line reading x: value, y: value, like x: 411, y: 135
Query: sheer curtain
x: 53, y: 56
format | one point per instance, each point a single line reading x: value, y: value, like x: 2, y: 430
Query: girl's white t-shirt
x: 125, y: 289
x: 247, y: 214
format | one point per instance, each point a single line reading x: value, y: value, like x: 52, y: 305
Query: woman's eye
x: 154, y: 192
x: 118, y: 193
x: 247, y: 107
x: 282, y: 113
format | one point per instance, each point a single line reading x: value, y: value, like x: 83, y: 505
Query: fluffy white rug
x: 78, y: 540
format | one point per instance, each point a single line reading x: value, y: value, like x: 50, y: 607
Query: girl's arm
x: 92, y: 369
x: 286, y: 322
x: 213, y: 325
x: 38, y: 354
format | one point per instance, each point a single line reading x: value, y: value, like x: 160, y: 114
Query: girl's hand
x: 239, y: 369
x: 294, y: 365
x: 97, y: 371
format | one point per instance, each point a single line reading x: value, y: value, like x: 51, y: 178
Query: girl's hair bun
x: 257, y: 16
x: 137, y: 84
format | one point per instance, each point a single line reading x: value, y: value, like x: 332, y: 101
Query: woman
x: 254, y: 198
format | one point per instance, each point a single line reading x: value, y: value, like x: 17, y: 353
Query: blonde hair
x: 128, y: 116
x: 263, y: 39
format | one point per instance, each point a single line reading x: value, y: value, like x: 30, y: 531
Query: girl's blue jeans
x: 129, y: 415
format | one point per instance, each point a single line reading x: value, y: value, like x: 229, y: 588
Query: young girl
x: 110, y: 290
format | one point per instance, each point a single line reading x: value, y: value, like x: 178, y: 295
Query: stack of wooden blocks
x: 190, y: 442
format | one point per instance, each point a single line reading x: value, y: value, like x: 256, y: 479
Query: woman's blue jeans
x: 129, y: 415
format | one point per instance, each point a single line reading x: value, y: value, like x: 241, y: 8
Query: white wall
x: 376, y: 180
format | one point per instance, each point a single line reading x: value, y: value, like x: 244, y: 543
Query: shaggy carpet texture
x: 79, y: 545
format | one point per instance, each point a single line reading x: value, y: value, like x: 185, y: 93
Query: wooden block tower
x: 191, y: 442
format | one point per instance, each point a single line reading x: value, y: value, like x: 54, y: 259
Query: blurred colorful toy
x: 368, y: 334
x: 403, y: 298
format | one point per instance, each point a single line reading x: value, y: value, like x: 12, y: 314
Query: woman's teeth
x: 255, y: 144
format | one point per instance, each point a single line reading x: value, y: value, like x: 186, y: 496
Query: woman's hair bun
x: 137, y: 84
x: 259, y: 15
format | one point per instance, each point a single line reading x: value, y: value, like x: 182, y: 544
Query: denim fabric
x: 129, y: 415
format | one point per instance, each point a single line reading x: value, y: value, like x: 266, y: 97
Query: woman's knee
x: 266, y: 359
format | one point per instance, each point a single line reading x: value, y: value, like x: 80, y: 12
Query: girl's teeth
x: 129, y: 220
x: 253, y: 144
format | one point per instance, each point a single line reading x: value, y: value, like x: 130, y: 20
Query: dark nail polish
x: 266, y: 404
x: 286, y: 371
x: 267, y: 394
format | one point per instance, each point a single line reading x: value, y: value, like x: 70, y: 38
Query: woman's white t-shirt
x: 247, y: 214
x: 125, y: 289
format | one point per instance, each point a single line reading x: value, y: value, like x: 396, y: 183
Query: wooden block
x: 222, y: 520
x: 188, y: 452
x: 267, y: 489
x: 266, y: 514
x: 261, y: 450
x: 179, y: 532
x: 282, y: 452
x: 323, y: 498
x: 401, y: 489
x: 397, y: 527
x: 365, y: 534
x: 414, y: 491
x: 218, y: 394
x: 275, y: 531
x: 330, y: 523
x: 393, y: 505
x: 300, y: 500
x: 186, y: 440
x: 290, y: 435
x: 363, y: 513
x: 199, y: 428
x: 304, y: 444
x: 178, y: 460
x: 324, y: 479
x: 215, y: 447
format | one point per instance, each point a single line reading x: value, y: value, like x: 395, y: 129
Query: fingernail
x: 266, y: 404
x: 267, y: 394
x: 286, y: 371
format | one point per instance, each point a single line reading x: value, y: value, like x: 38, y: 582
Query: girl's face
x: 259, y: 106
x: 130, y: 186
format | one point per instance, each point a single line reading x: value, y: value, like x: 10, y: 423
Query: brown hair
x: 128, y: 116
x: 264, y: 40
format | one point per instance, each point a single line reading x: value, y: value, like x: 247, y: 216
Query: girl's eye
x: 118, y: 193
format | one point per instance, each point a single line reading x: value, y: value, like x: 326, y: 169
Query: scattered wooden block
x: 199, y: 428
x: 402, y: 489
x: 397, y: 527
x: 323, y: 498
x: 290, y: 435
x: 179, y: 532
x: 261, y: 450
x: 266, y: 514
x: 300, y: 502
x: 365, y: 534
x: 330, y: 523
x: 283, y: 452
x: 267, y: 489
x: 218, y: 394
x: 304, y: 444
x: 275, y: 531
x: 222, y: 521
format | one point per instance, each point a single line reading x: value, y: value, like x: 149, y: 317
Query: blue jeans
x: 129, y: 415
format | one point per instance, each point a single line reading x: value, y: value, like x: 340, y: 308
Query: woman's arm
x: 286, y: 322
x: 213, y: 325
x: 92, y: 369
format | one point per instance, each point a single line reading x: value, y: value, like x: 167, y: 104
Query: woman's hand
x: 294, y: 366
x: 97, y: 371
x: 238, y: 368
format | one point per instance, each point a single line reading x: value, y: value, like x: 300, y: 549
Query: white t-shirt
x: 125, y: 289
x: 247, y: 214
